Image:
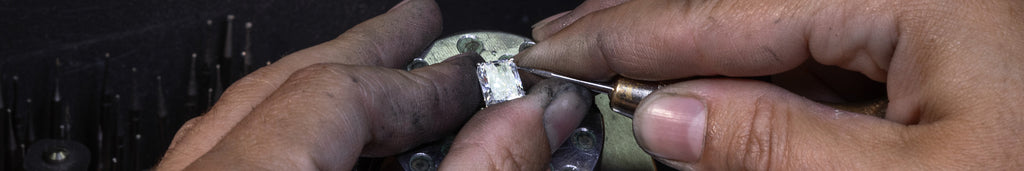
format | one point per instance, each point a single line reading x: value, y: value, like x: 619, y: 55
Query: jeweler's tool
x: 625, y: 94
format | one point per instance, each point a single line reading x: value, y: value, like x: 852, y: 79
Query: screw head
x: 506, y: 57
x: 421, y: 162
x: 583, y: 139
x: 416, y: 63
x: 526, y: 44
x: 469, y: 43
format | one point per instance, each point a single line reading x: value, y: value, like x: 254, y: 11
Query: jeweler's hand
x: 952, y: 72
x: 325, y: 106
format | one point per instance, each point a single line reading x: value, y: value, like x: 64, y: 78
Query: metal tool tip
x: 537, y: 72
x: 598, y: 87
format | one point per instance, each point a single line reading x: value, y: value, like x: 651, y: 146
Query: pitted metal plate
x: 489, y: 44
x: 499, y: 79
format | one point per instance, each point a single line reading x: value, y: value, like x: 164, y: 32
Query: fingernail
x: 399, y: 5
x: 569, y: 104
x: 545, y: 21
x: 671, y: 127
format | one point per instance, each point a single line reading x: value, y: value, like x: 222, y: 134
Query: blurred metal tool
x: 625, y: 94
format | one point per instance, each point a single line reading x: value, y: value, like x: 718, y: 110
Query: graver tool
x: 625, y: 94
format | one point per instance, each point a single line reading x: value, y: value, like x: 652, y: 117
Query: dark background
x: 118, y: 76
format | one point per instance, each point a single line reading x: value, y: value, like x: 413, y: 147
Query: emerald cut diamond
x: 499, y: 81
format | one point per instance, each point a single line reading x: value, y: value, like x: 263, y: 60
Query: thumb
x: 522, y: 133
x: 731, y: 124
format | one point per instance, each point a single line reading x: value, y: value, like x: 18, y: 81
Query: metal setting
x: 500, y: 81
x: 490, y: 45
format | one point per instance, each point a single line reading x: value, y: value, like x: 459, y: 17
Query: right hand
x: 953, y: 72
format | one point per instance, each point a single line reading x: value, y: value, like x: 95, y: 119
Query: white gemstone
x: 499, y: 81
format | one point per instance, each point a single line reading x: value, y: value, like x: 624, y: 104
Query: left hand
x: 325, y: 106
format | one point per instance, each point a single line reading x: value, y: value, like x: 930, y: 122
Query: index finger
x: 389, y: 40
x: 522, y: 133
x: 665, y: 39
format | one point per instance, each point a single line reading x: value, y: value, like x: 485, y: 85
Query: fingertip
x: 424, y: 15
x: 542, y: 30
x: 556, y: 23
x: 568, y: 105
x: 511, y: 130
x: 415, y: 6
x: 545, y: 116
x: 454, y: 82
x: 568, y: 56
x: 545, y: 21
x: 672, y: 126
x: 702, y: 123
x: 403, y: 31
x: 464, y: 64
x: 400, y: 4
x: 461, y: 68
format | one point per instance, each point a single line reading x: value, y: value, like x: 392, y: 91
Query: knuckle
x: 191, y: 123
x: 262, y: 75
x: 316, y: 70
x: 757, y: 140
x: 358, y: 34
x: 324, y: 81
x: 185, y: 130
x: 323, y: 75
x: 188, y: 126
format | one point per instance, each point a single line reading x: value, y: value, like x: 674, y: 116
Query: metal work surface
x: 491, y: 45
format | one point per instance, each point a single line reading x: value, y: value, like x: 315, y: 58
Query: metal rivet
x: 421, y: 162
x: 583, y: 139
x: 506, y: 57
x: 416, y: 63
x: 469, y: 43
x: 526, y: 44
